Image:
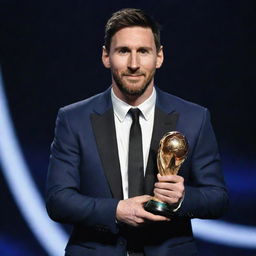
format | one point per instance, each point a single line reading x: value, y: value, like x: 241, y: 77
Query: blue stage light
x: 49, y: 234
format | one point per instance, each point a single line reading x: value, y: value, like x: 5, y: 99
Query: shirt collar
x: 121, y: 108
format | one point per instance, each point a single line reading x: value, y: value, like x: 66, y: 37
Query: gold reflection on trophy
x: 172, y: 153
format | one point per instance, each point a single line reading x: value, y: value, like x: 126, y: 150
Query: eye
x: 143, y: 51
x: 123, y: 50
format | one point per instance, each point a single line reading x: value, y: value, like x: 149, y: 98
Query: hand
x: 131, y: 211
x: 170, y: 189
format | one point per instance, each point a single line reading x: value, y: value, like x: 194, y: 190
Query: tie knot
x: 135, y: 113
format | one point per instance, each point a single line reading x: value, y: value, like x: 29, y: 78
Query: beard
x: 132, y: 90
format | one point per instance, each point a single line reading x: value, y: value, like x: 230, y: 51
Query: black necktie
x: 135, y: 158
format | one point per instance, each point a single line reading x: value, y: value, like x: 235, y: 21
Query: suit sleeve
x: 64, y: 202
x: 205, y: 194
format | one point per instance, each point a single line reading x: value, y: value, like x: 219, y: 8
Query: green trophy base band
x: 158, y: 208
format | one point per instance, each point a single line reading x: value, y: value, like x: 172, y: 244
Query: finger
x: 170, y: 178
x: 142, y: 199
x: 167, y: 185
x: 153, y: 217
x: 168, y: 199
x: 139, y: 220
x: 170, y: 193
x: 134, y: 224
x: 176, y: 188
x: 167, y: 193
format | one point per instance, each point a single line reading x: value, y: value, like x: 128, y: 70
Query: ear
x: 160, y: 57
x: 105, y: 57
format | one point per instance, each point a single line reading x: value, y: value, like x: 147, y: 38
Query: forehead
x: 133, y: 37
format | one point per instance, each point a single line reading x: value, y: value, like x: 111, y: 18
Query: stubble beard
x: 132, y: 92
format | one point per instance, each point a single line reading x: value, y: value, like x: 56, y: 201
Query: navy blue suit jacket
x: 84, y: 180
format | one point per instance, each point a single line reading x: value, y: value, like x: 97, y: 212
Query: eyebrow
x: 121, y: 47
x: 128, y: 48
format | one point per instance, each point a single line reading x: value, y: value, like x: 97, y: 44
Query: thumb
x: 143, y: 199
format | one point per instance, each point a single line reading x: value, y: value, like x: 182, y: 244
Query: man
x: 100, y: 177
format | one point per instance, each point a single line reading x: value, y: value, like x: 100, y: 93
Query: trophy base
x: 159, y: 208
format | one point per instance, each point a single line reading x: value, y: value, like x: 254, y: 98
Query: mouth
x: 134, y: 75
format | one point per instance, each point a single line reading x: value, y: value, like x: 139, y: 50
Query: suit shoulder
x: 97, y: 103
x: 181, y: 104
x: 82, y: 104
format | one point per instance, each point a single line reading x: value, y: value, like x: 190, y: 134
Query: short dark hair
x: 130, y: 17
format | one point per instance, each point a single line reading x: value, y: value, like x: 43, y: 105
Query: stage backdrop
x: 51, y: 57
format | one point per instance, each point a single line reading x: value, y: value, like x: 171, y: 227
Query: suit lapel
x: 104, y: 130
x: 163, y: 123
x: 105, y: 135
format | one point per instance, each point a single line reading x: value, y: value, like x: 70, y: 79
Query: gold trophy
x: 172, y: 152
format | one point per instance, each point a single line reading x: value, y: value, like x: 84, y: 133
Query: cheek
x: 118, y: 64
x: 148, y: 64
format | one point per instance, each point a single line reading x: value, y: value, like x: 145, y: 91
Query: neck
x: 133, y: 100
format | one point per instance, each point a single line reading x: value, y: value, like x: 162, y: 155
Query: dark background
x: 51, y: 56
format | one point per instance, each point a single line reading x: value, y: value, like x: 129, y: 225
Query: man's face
x: 133, y: 59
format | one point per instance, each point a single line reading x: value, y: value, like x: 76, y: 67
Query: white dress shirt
x: 123, y: 122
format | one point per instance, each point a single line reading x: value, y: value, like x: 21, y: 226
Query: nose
x: 133, y: 63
